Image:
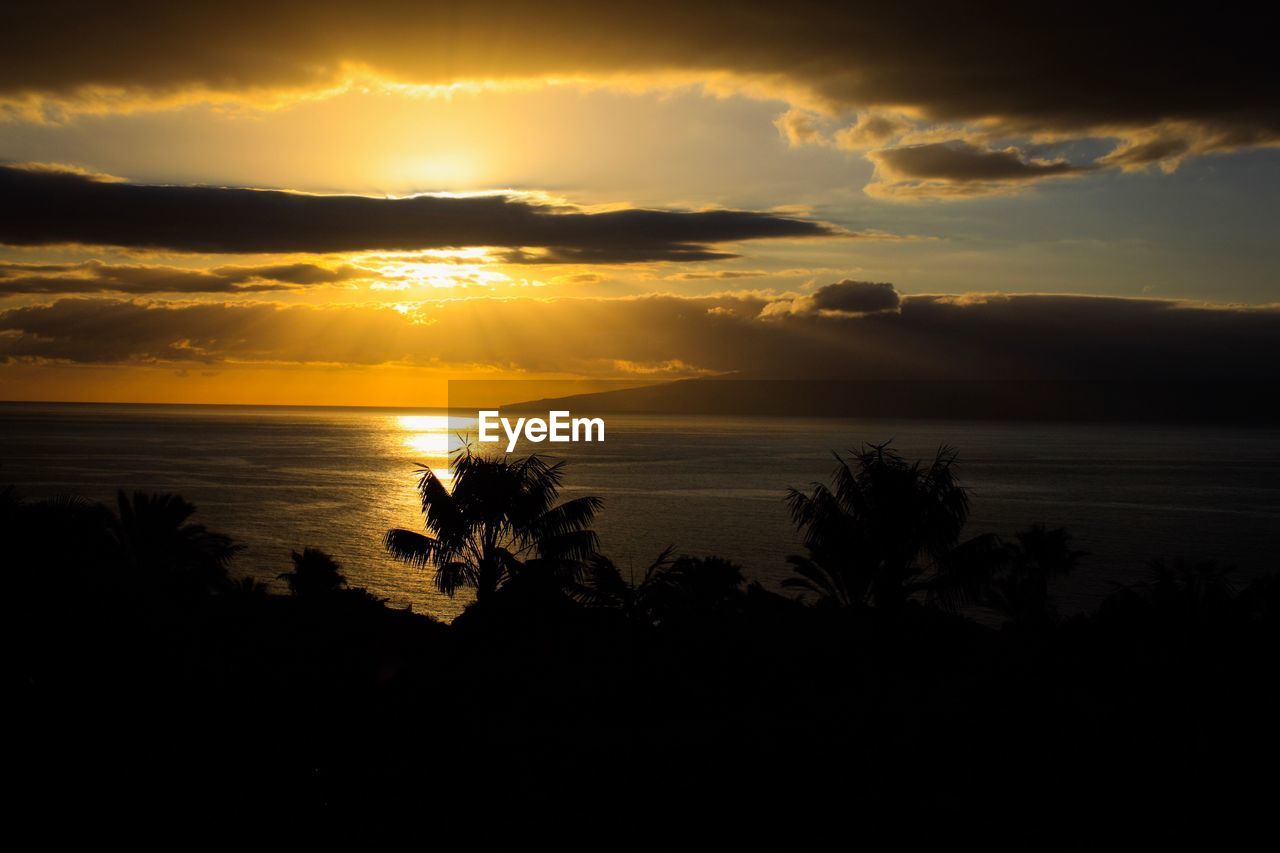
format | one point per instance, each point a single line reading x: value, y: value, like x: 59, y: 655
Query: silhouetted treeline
x: 571, y: 692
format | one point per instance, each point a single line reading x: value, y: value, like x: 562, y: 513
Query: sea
x: 278, y: 479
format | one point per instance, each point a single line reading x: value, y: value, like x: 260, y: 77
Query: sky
x: 352, y: 203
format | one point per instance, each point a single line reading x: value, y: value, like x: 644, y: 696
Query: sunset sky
x: 350, y: 203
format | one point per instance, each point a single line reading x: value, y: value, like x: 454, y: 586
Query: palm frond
x: 409, y: 546
x: 570, y: 545
x: 812, y: 577
x: 599, y: 584
x: 659, y: 564
x: 568, y: 517
x: 455, y: 575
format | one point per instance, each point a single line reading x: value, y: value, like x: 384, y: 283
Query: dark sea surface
x: 277, y: 479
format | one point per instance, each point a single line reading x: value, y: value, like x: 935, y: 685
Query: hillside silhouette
x: 911, y: 673
x: 1120, y: 400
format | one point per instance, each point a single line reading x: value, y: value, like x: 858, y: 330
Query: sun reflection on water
x: 406, y: 441
x: 434, y: 438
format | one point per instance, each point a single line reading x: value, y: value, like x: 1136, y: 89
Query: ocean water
x: 278, y: 479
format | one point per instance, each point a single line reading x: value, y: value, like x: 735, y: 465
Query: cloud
x: 854, y: 297
x: 801, y: 127
x: 957, y: 168
x: 142, y: 279
x: 842, y: 298
x: 871, y: 129
x: 960, y: 161
x: 978, y: 336
x: 579, y: 278
x: 46, y: 208
x: 1022, y: 68
x: 1167, y: 145
x: 933, y: 162
x: 723, y: 275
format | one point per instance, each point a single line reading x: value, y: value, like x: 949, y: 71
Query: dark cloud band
x: 144, y: 279
x: 1035, y: 66
x: 42, y: 207
x: 957, y: 168
x: 990, y: 337
x: 961, y: 162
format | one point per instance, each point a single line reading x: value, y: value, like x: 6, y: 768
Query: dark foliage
x: 500, y: 514
x: 314, y: 574
x: 572, y: 694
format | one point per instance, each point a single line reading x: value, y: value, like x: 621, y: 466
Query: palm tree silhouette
x: 314, y: 574
x: 602, y: 585
x: 1192, y: 590
x: 69, y: 537
x: 152, y: 536
x: 885, y: 530
x: 248, y: 589
x: 686, y: 587
x: 1019, y: 587
x: 64, y: 529
x: 500, y: 517
x: 694, y: 588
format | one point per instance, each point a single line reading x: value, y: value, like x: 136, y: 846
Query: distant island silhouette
x: 1245, y: 403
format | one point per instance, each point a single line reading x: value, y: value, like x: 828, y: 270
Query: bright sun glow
x: 433, y: 438
x: 442, y: 170
x: 403, y: 276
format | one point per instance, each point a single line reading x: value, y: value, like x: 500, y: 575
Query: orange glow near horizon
x: 668, y: 213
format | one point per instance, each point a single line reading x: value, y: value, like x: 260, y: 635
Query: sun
x: 441, y: 171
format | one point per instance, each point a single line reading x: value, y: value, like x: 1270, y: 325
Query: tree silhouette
x: 686, y: 587
x: 885, y: 530
x: 500, y: 517
x: 248, y: 589
x: 1019, y: 585
x: 69, y: 538
x: 314, y: 574
x: 695, y: 588
x: 63, y: 530
x: 1191, y: 590
x: 153, y: 537
x: 602, y: 585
